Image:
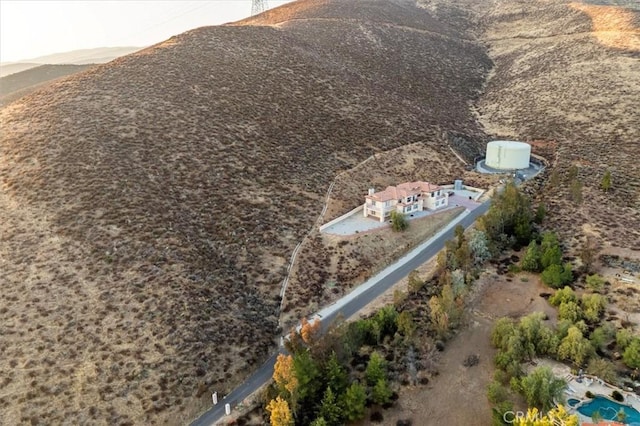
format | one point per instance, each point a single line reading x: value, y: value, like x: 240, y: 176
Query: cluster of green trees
x: 630, y: 344
x: 546, y: 258
x: 315, y: 384
x: 518, y: 342
x: 509, y: 223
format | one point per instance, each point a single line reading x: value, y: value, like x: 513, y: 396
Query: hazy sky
x: 29, y: 29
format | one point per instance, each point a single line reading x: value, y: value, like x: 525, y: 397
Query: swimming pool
x: 609, y: 409
x: 573, y: 402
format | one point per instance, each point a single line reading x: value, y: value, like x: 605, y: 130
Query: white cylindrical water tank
x: 508, y: 155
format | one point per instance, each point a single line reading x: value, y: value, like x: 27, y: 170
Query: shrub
x: 398, y: 222
x: 617, y: 396
x: 589, y: 394
x: 377, y: 417
x: 496, y: 393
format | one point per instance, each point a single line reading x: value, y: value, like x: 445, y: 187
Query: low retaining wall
x: 343, y: 217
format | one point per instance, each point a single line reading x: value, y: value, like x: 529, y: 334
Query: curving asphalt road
x: 349, y: 305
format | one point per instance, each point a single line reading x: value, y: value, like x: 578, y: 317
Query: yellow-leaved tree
x: 310, y: 331
x: 284, y: 375
x: 555, y: 417
x: 279, y: 412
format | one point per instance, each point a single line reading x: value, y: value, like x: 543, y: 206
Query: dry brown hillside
x: 568, y: 73
x: 22, y: 83
x: 148, y: 206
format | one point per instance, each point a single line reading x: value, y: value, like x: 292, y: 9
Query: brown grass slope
x: 22, y: 83
x: 568, y: 73
x: 149, y: 205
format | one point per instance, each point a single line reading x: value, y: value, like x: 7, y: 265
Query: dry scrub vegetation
x: 22, y: 83
x: 328, y: 266
x: 567, y: 73
x: 149, y: 205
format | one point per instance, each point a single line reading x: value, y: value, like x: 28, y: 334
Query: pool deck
x: 576, y: 388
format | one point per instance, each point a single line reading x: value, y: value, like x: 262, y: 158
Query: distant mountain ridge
x: 96, y: 55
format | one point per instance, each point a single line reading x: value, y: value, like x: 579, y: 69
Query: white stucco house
x: 405, y: 198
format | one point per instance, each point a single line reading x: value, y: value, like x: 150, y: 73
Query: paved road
x: 347, y: 306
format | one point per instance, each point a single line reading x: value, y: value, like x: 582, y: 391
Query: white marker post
x: 214, y: 396
x: 227, y: 409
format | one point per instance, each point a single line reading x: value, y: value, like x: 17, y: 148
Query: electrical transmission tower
x: 258, y: 6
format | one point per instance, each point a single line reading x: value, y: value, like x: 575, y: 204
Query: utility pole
x: 258, y: 6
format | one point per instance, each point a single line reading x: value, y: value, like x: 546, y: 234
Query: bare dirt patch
x: 328, y: 266
x: 457, y: 394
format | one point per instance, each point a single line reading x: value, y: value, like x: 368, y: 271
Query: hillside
x: 97, y: 55
x: 149, y: 205
x: 566, y: 76
x: 19, y: 84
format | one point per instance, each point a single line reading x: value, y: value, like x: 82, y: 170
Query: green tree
x: 623, y: 338
x: 354, y: 402
x: 551, y: 256
x: 531, y: 259
x: 398, y: 222
x: 308, y: 375
x: 499, y: 411
x: 601, y: 336
x: 330, y: 409
x: 556, y: 276
x: 541, y: 213
x: 502, y: 332
x: 439, y: 317
x: 595, y: 282
x: 448, y: 300
x: 376, y: 369
x: 496, y: 392
x: 458, y: 284
x: 541, y: 388
x: 602, y: 368
x: 593, y: 305
x: 631, y: 355
x: 415, y: 282
x: 549, y: 240
x: 563, y: 295
x: 575, y: 347
x: 406, y: 325
x: 605, y: 184
x: 320, y: 421
x: 479, y: 246
x: 381, y: 393
x: 570, y: 311
x: 508, y: 220
x: 335, y: 374
x: 538, y: 339
x: 386, y: 320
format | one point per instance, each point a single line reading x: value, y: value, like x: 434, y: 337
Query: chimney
x: 371, y: 191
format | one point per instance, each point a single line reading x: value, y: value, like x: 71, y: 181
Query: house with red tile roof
x: 406, y: 198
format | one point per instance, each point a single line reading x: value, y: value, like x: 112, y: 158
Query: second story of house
x: 408, y: 196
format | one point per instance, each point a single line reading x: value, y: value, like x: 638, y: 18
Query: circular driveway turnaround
x: 349, y: 305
